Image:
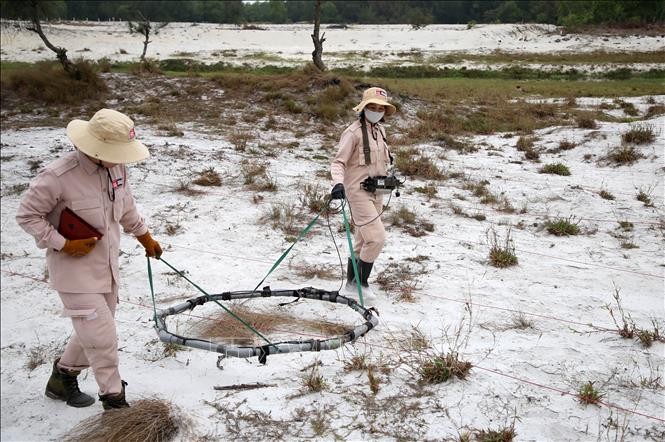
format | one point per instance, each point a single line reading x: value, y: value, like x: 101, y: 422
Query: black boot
x: 365, y: 270
x: 116, y: 400
x: 350, y: 276
x: 64, y: 386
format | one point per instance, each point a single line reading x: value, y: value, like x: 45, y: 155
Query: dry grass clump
x: 623, y: 155
x: 240, y: 139
x: 525, y: 144
x: 563, y: 226
x: 147, y: 420
x: 644, y: 195
x: 628, y: 108
x: 566, y: 145
x: 47, y: 82
x: 284, y: 217
x: 185, y: 188
x: 406, y: 220
x: 628, y: 330
x: 606, y: 195
x: 314, y: 197
x: 506, y: 434
x: 654, y: 111
x: 555, y: 169
x: 586, y: 123
x: 401, y: 279
x: 502, y: 253
x: 410, y: 162
x: 639, y: 134
x: 208, y: 177
x: 230, y: 330
x: 256, y: 177
x: 321, y: 271
x: 454, y: 144
x: 442, y: 367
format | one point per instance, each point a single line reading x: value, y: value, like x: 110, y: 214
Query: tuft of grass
x: 563, y: 226
x: 502, y: 435
x: 606, y: 195
x: 208, y: 177
x: 624, y: 155
x: 525, y: 144
x: 314, y: 197
x: 410, y: 162
x: 442, y: 367
x: 256, y: 177
x: 626, y: 226
x: 429, y: 190
x: 555, y: 169
x: 401, y: 279
x: 240, y: 139
x: 586, y: 123
x: 502, y: 254
x: 566, y: 145
x: 407, y: 221
x: 315, y: 382
x: 185, y: 188
x: 639, y: 134
x: 150, y: 420
x: 654, y: 111
x: 588, y: 394
x: 374, y: 381
x: 356, y: 362
x: 644, y: 196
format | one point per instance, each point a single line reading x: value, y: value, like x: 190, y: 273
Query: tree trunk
x: 146, y: 33
x: 61, y: 53
x: 318, y: 42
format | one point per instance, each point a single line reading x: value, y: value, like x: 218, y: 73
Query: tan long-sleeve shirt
x: 76, y: 182
x: 348, y: 166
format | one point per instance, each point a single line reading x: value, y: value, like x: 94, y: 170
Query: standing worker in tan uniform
x: 363, y: 153
x: 91, y: 181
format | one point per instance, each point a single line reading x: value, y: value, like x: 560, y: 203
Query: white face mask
x: 372, y: 116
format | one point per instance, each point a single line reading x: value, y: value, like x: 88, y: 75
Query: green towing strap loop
x: 152, y: 292
x: 354, y: 263
x: 256, y: 332
x: 286, y: 252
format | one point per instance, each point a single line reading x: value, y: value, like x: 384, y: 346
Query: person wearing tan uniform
x: 363, y: 153
x: 92, y: 181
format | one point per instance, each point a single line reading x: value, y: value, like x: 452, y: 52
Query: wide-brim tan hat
x: 378, y: 96
x: 108, y: 136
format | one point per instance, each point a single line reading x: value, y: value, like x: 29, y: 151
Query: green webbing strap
x: 286, y: 252
x: 152, y: 291
x: 353, y: 257
x: 209, y: 298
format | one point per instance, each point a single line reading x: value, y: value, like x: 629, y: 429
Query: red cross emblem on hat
x: 381, y: 92
x: 132, y: 134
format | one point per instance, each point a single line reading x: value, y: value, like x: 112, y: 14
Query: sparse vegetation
x: 586, y: 123
x: 563, y: 226
x: 566, y: 145
x: 644, y: 195
x: 314, y: 382
x: 208, y: 177
x: 502, y: 253
x: 555, y: 169
x: 410, y: 162
x: 606, y: 195
x: 256, y: 177
x: 623, y: 155
x: 443, y: 367
x: 401, y: 279
x: 588, y: 394
x: 639, y: 134
x: 407, y: 221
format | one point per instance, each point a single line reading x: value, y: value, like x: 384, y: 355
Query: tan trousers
x: 94, y: 342
x: 370, y: 234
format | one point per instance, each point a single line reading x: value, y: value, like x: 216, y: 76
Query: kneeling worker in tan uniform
x: 363, y: 153
x: 92, y: 182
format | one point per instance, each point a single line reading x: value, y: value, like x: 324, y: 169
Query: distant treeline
x: 566, y: 13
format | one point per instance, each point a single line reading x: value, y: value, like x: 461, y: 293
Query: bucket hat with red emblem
x: 108, y: 136
x: 378, y: 96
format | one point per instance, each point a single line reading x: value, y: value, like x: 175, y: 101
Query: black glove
x: 337, y: 192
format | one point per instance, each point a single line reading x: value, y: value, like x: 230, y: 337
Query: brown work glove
x: 152, y: 247
x: 79, y: 247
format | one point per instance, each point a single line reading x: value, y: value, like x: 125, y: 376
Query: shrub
x: 556, y: 169
x: 640, y: 134
x: 562, y: 227
x: 47, y: 82
x: 654, y: 111
x: 314, y: 198
x: 644, y: 196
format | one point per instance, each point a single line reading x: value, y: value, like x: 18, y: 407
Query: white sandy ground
x: 360, y: 46
x: 222, y: 246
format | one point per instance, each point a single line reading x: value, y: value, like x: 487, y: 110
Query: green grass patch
x: 556, y: 169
